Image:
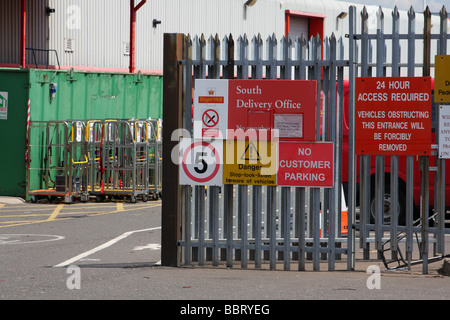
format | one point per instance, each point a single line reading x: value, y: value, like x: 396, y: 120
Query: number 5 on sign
x: 201, y: 162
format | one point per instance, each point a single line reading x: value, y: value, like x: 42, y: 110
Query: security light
x: 250, y: 3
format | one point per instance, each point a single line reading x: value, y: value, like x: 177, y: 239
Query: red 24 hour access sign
x: 306, y: 164
x: 393, y: 116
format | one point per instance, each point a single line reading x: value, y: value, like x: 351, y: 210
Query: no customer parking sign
x: 306, y: 164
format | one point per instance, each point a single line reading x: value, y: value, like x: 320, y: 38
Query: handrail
x: 44, y: 50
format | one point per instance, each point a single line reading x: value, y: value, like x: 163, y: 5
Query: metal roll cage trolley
x: 101, y: 158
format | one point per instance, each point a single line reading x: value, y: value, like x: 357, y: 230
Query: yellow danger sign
x: 250, y: 162
x: 442, y: 79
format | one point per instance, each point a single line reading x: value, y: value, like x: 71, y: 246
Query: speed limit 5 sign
x: 201, y: 162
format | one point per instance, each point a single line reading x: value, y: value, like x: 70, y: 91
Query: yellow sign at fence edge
x: 442, y: 79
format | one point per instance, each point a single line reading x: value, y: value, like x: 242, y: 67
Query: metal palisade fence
x: 411, y: 56
x: 251, y: 225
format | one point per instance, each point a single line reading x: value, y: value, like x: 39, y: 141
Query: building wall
x: 100, y: 29
x: 37, y: 31
x: 96, y: 30
x: 94, y: 34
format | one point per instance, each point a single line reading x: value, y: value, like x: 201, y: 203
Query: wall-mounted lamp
x: 342, y: 15
x: 250, y: 3
x: 339, y: 17
x: 49, y: 10
x: 156, y: 22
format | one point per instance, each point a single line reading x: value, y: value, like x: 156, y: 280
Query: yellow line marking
x: 19, y: 221
x: 55, y: 212
x: 2, y: 205
x: 131, y: 208
x: 31, y: 206
x: 119, y: 206
x: 42, y: 207
x: 24, y: 215
x: 5, y: 210
x: 26, y: 223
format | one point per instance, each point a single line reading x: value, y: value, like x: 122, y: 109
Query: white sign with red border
x: 210, y: 109
x: 201, y: 162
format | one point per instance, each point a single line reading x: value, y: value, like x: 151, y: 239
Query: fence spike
x: 395, y: 12
x: 380, y: 13
x: 411, y: 13
x: 317, y: 39
x: 364, y: 13
x: 443, y: 13
x: 230, y: 38
x: 333, y: 37
x: 225, y: 44
x: 189, y: 41
x: 395, y: 21
x: 303, y: 39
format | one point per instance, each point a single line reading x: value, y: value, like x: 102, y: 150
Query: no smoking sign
x: 210, y: 118
x: 201, y: 162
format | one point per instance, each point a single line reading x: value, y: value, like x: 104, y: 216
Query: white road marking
x: 101, y: 247
x: 25, y: 238
x: 151, y: 246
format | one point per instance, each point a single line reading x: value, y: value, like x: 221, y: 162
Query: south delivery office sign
x: 221, y: 106
x: 393, y: 116
x: 244, y: 113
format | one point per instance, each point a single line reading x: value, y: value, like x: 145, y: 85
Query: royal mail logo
x: 207, y: 99
x: 211, y: 92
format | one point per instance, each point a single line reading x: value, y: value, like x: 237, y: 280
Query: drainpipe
x: 23, y: 31
x: 133, y: 11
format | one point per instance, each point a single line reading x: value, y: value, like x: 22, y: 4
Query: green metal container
x: 14, y: 86
x: 65, y: 95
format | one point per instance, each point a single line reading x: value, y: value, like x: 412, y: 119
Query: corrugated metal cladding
x: 90, y: 33
x: 9, y: 30
x: 99, y: 29
x: 87, y: 95
x: 95, y: 33
x: 37, y: 31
